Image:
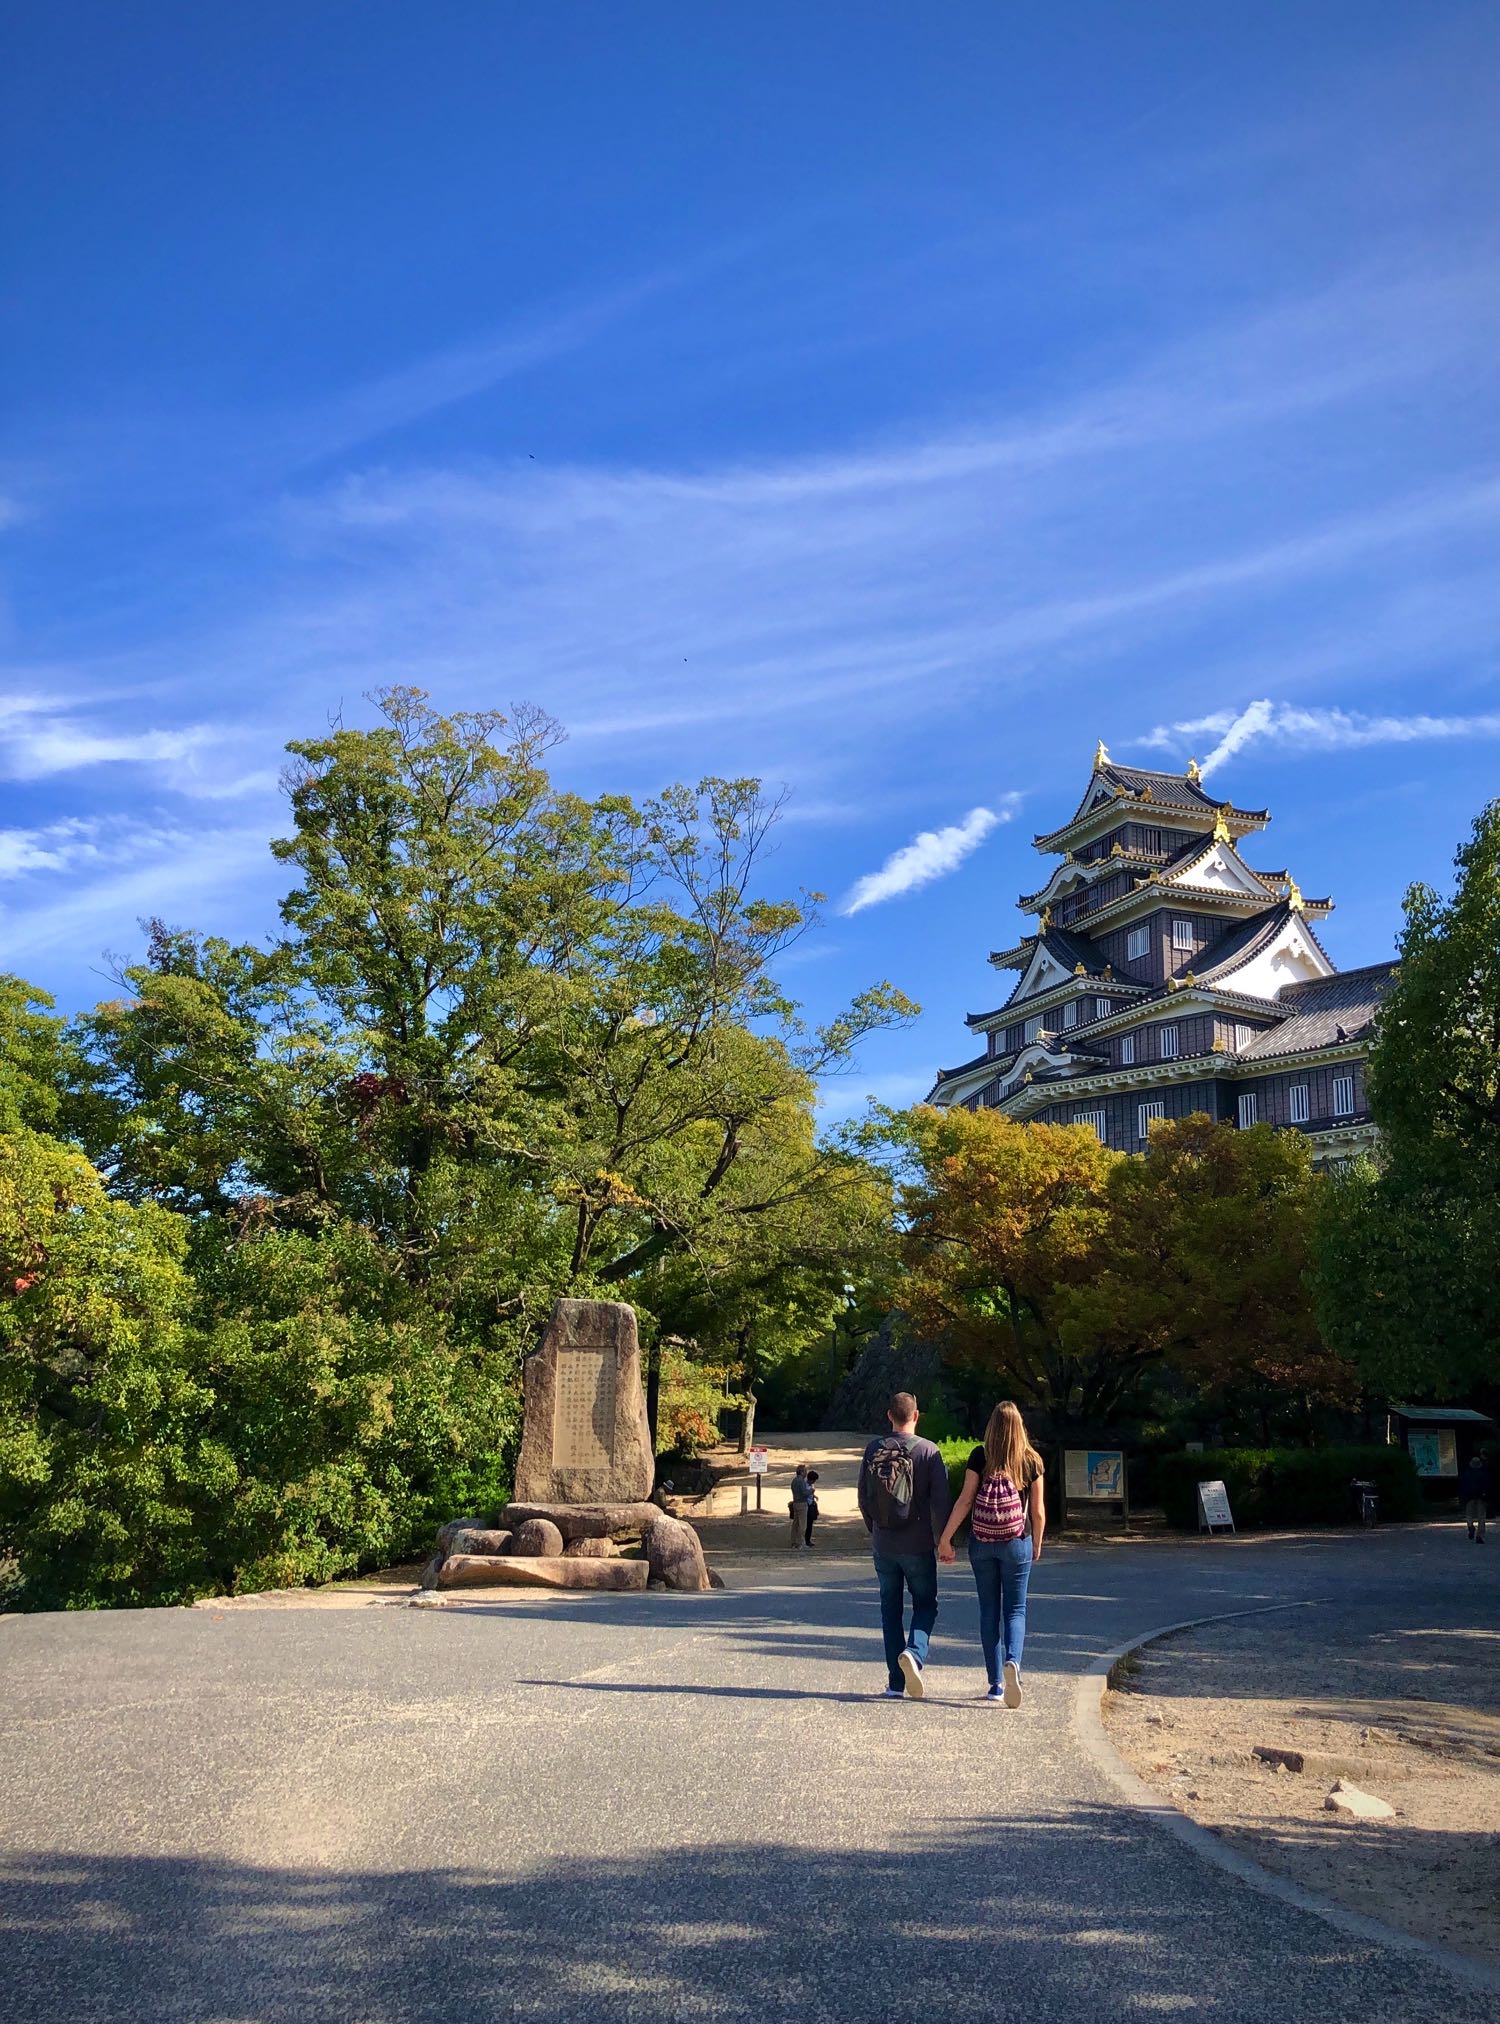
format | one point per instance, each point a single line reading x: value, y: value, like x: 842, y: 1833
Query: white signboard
x: 760, y: 1461
x: 1096, y: 1474
x: 1435, y: 1454
x: 1213, y: 1506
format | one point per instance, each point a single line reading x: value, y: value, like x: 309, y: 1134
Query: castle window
x: 1096, y: 1119
x: 1182, y: 935
x: 1298, y: 1106
x: 1243, y: 1035
x: 1127, y: 1049
x: 1102, y: 1007
x: 1031, y: 1030
x: 1070, y: 1012
x: 1343, y: 1096
x: 1138, y: 943
x: 1247, y: 1110
x: 1151, y: 841
x: 1168, y: 1043
x: 1147, y: 1114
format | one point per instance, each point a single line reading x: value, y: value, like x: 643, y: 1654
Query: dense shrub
x: 1288, y: 1486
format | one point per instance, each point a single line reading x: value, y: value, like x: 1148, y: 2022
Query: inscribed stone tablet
x: 583, y: 1413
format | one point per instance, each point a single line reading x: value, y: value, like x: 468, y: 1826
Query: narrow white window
x: 1070, y: 1012
x: 1168, y: 1043
x: 1103, y: 1007
x: 1146, y: 1113
x: 1343, y: 1096
x: 1096, y: 1119
x: 1182, y: 935
x: 1247, y: 1110
x: 1031, y: 1030
x: 1151, y: 841
x: 1138, y: 943
x: 1127, y: 1049
x: 1297, y: 1097
x: 1243, y: 1035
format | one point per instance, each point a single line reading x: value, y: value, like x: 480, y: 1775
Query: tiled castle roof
x: 1324, y: 1012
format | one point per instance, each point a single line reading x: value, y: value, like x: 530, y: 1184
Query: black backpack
x: 892, y: 1483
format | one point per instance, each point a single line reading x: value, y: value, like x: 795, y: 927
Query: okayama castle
x: 1164, y: 977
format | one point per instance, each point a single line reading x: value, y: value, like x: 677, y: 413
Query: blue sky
x: 889, y: 401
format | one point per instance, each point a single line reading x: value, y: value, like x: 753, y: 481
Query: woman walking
x: 1003, y: 1490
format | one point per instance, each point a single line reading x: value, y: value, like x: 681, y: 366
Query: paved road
x: 655, y: 1807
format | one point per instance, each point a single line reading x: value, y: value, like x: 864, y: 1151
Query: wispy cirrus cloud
x: 40, y: 737
x: 84, y: 844
x: 931, y: 854
x: 1312, y: 728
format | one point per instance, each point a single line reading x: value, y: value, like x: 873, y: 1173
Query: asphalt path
x: 652, y: 1807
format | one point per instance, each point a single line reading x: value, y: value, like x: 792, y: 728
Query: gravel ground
x: 621, y: 1808
x: 1408, y: 1710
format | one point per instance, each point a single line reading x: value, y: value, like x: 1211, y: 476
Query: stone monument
x: 584, y: 1476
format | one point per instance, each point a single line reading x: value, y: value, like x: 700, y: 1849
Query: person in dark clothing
x: 1474, y: 1495
x: 812, y: 1505
x: 904, y: 1501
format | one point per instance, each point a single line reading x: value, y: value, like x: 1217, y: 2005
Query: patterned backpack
x: 998, y: 1512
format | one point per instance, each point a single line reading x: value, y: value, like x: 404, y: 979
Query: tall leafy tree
x: 1409, y: 1276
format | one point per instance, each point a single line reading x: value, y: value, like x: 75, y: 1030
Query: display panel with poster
x: 1094, y: 1475
x: 1435, y: 1452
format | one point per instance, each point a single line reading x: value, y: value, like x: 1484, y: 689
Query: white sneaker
x: 911, y: 1669
x: 1012, y: 1695
x: 894, y: 1694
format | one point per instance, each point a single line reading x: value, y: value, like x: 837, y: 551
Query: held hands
x: 947, y: 1552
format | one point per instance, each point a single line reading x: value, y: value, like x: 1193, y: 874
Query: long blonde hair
x: 1007, y: 1451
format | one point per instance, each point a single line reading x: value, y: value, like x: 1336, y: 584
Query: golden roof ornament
x: 1079, y: 971
x: 1101, y: 755
x: 1146, y: 794
x: 1045, y: 917
x: 1294, y: 897
x: 1221, y: 828
x: 1194, y: 772
x: 1109, y: 969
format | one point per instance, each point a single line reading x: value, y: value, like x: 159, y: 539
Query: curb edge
x: 1088, y: 1727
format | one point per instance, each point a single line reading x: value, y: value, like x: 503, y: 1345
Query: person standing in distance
x: 904, y: 1501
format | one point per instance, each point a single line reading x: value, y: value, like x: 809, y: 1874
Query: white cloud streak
x: 38, y: 739
x: 931, y: 854
x: 1311, y: 728
x: 79, y: 844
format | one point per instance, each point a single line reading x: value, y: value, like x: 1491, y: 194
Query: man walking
x: 904, y: 1501
x: 1474, y: 1495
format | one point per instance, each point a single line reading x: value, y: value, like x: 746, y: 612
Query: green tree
x: 1409, y: 1256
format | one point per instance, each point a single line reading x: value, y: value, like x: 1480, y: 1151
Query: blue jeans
x: 1002, y: 1570
x: 896, y: 1572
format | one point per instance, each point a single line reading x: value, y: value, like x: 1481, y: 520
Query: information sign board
x: 1094, y: 1475
x: 760, y: 1461
x: 1213, y: 1507
x: 1435, y: 1454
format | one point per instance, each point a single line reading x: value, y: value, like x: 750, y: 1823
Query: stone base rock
x: 675, y: 1556
x: 590, y: 1549
x: 474, y: 1539
x: 585, y: 1521
x: 538, y: 1538
x: 453, y: 1527
x: 491, y: 1571
x: 428, y: 1578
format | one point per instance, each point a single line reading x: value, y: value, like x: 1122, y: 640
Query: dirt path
x: 1410, y: 1712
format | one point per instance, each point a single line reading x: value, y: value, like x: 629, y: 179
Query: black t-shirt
x: 1029, y: 1472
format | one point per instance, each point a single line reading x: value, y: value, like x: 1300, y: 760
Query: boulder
x: 675, y: 1556
x: 589, y: 1549
x: 429, y: 1576
x: 538, y: 1539
x: 452, y: 1528
x: 586, y: 1521
x: 484, y: 1570
x: 481, y: 1539
x: 1356, y: 1805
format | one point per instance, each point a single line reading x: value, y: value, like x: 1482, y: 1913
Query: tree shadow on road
x: 1046, y: 1917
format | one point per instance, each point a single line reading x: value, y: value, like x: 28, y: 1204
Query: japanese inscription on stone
x: 583, y: 1418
